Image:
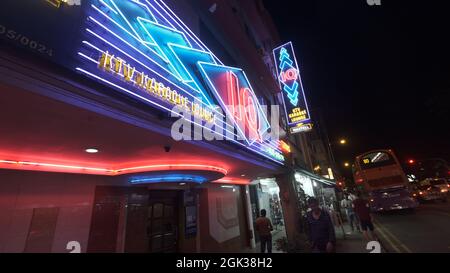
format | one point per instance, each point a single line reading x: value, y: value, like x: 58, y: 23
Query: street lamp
x: 346, y: 164
x: 332, y: 145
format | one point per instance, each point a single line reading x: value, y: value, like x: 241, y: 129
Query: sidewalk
x: 276, y: 234
x: 353, y: 242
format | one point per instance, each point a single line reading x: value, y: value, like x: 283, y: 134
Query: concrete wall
x: 64, y: 203
x: 223, y: 226
x: 21, y: 192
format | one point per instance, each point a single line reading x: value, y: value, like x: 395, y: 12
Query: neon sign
x: 120, y: 68
x: 301, y: 127
x: 142, y: 48
x: 296, y: 107
x: 171, y: 178
x: 236, y: 96
x: 275, y: 154
x: 43, y: 166
x: 285, y: 147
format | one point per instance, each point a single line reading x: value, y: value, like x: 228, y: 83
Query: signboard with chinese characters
x: 294, y: 100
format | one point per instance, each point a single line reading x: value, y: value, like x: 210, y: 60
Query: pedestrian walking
x: 320, y: 228
x: 362, y: 209
x: 347, y: 205
x: 264, y: 228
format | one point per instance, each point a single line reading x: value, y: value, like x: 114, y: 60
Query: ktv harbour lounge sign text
x: 150, y: 85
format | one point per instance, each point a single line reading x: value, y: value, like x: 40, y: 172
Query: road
x: 427, y: 230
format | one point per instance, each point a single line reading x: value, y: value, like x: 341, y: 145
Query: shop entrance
x: 162, y: 221
x: 264, y: 194
x: 151, y: 221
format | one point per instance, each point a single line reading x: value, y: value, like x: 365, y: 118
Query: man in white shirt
x: 346, y: 204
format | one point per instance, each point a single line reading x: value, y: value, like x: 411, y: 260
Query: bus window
x: 375, y: 160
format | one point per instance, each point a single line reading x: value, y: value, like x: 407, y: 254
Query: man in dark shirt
x: 264, y: 228
x: 320, y: 228
x: 362, y: 209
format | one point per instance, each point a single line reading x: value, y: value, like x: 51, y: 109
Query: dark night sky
x: 380, y: 75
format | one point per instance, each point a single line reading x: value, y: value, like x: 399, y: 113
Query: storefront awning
x: 317, y: 178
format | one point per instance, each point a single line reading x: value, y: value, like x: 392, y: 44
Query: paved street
x: 425, y: 230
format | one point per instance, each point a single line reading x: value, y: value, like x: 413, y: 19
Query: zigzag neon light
x: 187, y: 93
x: 193, y: 97
x: 131, y: 57
x: 165, y: 39
x: 159, y: 13
x: 185, y: 28
x: 108, y: 6
x: 286, y: 69
x: 161, y: 42
x: 172, y: 46
x: 146, y: 45
x: 174, y: 54
x: 125, y: 18
x: 117, y: 36
x: 104, y: 40
x: 257, y: 151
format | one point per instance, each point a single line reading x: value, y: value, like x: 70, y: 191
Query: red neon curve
x: 40, y: 166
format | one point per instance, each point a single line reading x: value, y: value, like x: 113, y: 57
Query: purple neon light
x: 300, y: 80
x: 185, y: 28
x: 117, y: 48
x: 96, y: 62
x: 165, y: 108
x: 188, y: 32
x: 187, y: 93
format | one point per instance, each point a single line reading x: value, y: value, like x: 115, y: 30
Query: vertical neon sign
x: 294, y: 100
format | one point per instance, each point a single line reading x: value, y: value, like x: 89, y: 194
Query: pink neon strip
x: 159, y: 167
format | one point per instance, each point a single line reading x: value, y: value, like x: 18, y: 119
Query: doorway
x: 162, y: 221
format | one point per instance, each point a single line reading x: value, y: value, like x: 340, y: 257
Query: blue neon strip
x: 299, y: 79
x: 169, y: 110
x: 185, y: 28
x: 189, y: 61
x: 171, y: 178
x: 217, y: 113
x: 198, y: 90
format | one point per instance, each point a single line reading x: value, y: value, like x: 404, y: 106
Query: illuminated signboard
x: 142, y: 49
x: 295, y: 105
x: 285, y: 147
x: 301, y: 127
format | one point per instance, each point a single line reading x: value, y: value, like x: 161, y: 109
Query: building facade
x: 137, y: 126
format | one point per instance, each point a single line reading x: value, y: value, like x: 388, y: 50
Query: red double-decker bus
x: 381, y: 176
